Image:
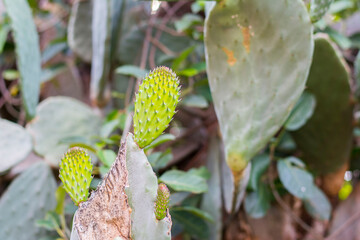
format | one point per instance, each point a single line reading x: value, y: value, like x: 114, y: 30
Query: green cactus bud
x: 162, y: 201
x: 75, y: 173
x: 155, y: 105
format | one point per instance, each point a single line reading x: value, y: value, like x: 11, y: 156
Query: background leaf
x: 15, y: 144
x: 27, y: 199
x: 27, y: 51
x: 317, y: 204
x: 184, y: 181
x: 296, y: 180
x: 258, y: 166
x: 302, y: 111
x: 53, y: 124
x: 79, y: 29
x: 257, y: 203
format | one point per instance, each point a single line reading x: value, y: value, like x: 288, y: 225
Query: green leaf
x: 178, y: 197
x: 107, y: 157
x: 15, y: 144
x: 296, y: 180
x: 258, y: 166
x: 60, y: 196
x: 302, y: 111
x: 192, y: 224
x: 187, y: 21
x: 4, y: 31
x: 184, y: 181
x: 317, y: 204
x: 179, y: 61
x: 195, y: 101
x: 133, y: 71
x: 48, y: 74
x: 195, y: 211
x: 10, y: 74
x: 339, y: 6
x: 201, y: 172
x: 59, y: 118
x: 188, y: 72
x: 257, y: 203
x: 50, y: 222
x: 159, y: 160
x: 339, y: 38
x: 27, y: 51
x: 160, y: 140
x: 52, y: 50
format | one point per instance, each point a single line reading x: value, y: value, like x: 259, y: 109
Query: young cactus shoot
x: 155, y: 105
x: 162, y: 201
x: 75, y: 173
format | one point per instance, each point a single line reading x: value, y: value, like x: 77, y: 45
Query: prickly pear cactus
x: 162, y: 201
x: 318, y: 9
x: 75, y: 173
x: 155, y: 105
x: 326, y: 138
x: 142, y: 195
x: 258, y: 57
x: 124, y: 203
x: 26, y: 200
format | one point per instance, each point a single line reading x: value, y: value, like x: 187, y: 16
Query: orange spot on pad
x: 246, y: 38
x: 230, y: 54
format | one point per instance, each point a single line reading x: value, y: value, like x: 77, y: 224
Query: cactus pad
x: 27, y: 200
x: 15, y: 144
x: 124, y: 203
x: 258, y: 57
x: 162, y: 201
x: 142, y: 191
x: 326, y: 138
x: 155, y: 105
x: 58, y: 118
x: 75, y: 173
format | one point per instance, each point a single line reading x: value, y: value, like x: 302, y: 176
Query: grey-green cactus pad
x: 326, y: 138
x: 15, y: 144
x: 59, y: 118
x: 26, y: 200
x: 27, y: 50
x: 258, y: 57
x: 79, y: 29
x: 141, y: 192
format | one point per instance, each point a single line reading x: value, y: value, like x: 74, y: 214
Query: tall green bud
x: 162, y: 201
x: 155, y: 105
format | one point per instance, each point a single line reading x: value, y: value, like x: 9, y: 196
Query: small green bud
x: 155, y: 104
x: 75, y: 173
x: 162, y: 201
